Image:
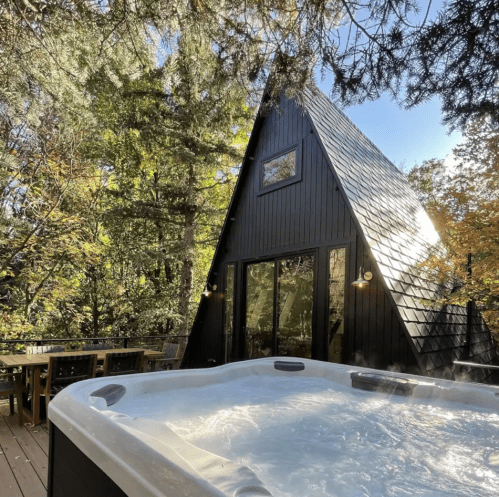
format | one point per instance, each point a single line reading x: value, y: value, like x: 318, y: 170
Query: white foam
x: 313, y: 437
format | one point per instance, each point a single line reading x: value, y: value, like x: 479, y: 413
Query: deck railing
x: 10, y: 345
x: 459, y: 367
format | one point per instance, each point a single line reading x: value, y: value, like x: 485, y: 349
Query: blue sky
x: 406, y: 137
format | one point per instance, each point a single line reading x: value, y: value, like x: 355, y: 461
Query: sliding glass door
x: 229, y: 312
x: 259, y: 340
x: 295, y: 305
x: 336, y: 304
x: 279, y: 307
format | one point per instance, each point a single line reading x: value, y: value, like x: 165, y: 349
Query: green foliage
x: 464, y: 206
x: 51, y: 185
x: 172, y: 143
x: 120, y: 122
x: 115, y: 180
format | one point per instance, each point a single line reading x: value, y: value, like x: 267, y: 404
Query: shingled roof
x: 399, y: 235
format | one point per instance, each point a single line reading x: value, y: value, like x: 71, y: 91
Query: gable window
x: 279, y: 168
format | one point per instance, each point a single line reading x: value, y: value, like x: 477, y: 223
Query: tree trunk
x: 188, y: 241
x: 95, y: 302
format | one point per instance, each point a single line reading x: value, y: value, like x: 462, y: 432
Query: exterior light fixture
x: 363, y: 279
x: 208, y: 289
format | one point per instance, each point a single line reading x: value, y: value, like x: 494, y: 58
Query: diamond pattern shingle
x: 394, y: 225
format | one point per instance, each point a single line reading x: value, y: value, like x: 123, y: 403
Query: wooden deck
x: 23, y: 457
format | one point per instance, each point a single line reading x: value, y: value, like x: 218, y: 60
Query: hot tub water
x: 314, y: 437
x: 293, y: 427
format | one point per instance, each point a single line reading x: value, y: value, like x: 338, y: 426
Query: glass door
x: 229, y: 312
x: 336, y: 304
x: 279, y: 307
x: 295, y: 305
x: 259, y: 310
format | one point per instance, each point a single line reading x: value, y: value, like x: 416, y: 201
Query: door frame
x: 242, y: 291
x: 348, y: 250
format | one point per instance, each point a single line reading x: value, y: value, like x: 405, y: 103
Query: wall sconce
x: 363, y: 280
x: 208, y: 289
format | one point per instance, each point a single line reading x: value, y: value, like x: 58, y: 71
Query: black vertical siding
x: 310, y: 214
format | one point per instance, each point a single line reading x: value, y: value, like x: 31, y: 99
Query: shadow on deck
x: 23, y: 457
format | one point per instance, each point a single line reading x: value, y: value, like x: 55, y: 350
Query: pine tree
x: 171, y: 142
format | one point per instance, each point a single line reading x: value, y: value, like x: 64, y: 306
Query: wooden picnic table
x: 35, y: 363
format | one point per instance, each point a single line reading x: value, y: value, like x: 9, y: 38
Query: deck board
x: 41, y: 436
x: 34, y: 453
x: 9, y: 487
x: 23, y: 457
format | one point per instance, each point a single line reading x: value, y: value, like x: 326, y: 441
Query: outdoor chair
x: 171, y: 357
x: 97, y: 346
x: 65, y: 370
x: 117, y: 363
x: 11, y: 385
x: 45, y: 349
x: 42, y: 349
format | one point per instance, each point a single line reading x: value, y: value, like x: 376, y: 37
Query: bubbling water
x: 312, y: 437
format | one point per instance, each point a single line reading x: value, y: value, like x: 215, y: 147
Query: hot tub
x: 292, y: 427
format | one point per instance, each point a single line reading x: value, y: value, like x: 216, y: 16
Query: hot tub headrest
x: 110, y: 393
x: 289, y: 366
x: 385, y: 383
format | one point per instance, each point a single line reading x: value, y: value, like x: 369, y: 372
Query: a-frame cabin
x: 315, y: 204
